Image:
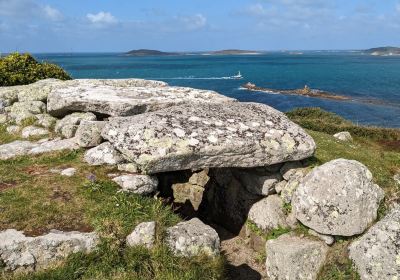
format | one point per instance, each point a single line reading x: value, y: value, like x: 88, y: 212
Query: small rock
x: 144, y: 234
x: 376, y: 254
x: 139, y: 184
x: 291, y: 221
x: 21, y: 253
x: 128, y: 167
x: 69, y: 172
x: 337, y: 198
x: 3, y: 118
x: 20, y: 111
x: 45, y: 120
x: 343, y: 136
x: 193, y: 238
x: 290, y: 168
x: 89, y: 133
x: 279, y: 186
x: 13, y: 129
x: 261, y: 185
x: 104, y: 154
x: 293, y: 257
x: 15, y: 149
x: 31, y: 131
x: 54, y: 146
x: 329, y: 240
x: 396, y: 178
x: 268, y: 213
x: 69, y: 124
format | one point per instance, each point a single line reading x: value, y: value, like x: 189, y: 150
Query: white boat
x: 238, y: 76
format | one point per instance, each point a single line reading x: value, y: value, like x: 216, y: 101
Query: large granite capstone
x: 123, y: 97
x: 208, y: 135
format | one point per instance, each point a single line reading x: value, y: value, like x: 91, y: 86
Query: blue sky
x: 182, y: 25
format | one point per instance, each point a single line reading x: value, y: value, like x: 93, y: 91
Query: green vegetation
x: 35, y: 200
x: 22, y: 69
x: 319, y: 120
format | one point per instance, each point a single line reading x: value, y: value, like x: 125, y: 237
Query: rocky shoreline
x: 237, y: 165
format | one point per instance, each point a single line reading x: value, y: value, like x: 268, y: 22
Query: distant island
x: 384, y: 51
x: 234, y: 52
x: 145, y: 52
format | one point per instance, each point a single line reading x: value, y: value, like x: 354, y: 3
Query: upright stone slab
x: 337, y: 198
x: 376, y: 254
x: 209, y: 135
x: 123, y: 97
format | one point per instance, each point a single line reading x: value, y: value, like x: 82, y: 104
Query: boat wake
x: 238, y: 76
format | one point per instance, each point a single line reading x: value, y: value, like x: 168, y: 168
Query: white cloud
x: 194, y: 22
x: 257, y: 10
x: 52, y: 13
x: 102, y: 18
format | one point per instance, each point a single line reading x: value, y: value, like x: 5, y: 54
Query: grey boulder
x: 32, y: 131
x: 268, y: 213
x: 208, y: 135
x: 144, y: 234
x: 123, y: 97
x: 88, y: 133
x: 294, y: 258
x: 139, y: 184
x: 376, y: 254
x: 21, y: 253
x: 343, y: 136
x: 104, y: 154
x: 193, y: 238
x: 337, y: 198
x: 69, y: 124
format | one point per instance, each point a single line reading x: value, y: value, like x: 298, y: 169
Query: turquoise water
x: 373, y: 83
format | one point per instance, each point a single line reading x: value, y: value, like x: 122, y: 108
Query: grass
x: 35, y: 200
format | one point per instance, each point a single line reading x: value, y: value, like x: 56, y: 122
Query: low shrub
x: 22, y: 69
x: 319, y: 120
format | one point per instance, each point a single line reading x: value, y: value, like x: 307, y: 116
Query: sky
x: 197, y: 25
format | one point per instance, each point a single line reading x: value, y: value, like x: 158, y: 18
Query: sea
x: 371, y: 82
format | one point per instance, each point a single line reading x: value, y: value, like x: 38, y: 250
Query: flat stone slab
x: 123, y: 97
x: 21, y: 253
x: 22, y: 148
x: 208, y: 135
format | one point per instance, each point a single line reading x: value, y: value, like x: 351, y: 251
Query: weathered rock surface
x: 21, y: 253
x: 31, y: 131
x: 209, y: 135
x: 21, y: 111
x: 88, y: 133
x: 54, y: 146
x: 329, y: 240
x: 69, y: 124
x: 21, y: 148
x: 123, y: 97
x: 292, y: 257
x: 45, y: 120
x: 15, y: 149
x: 13, y: 129
x: 337, y: 198
x: 257, y: 183
x: 143, y: 235
x: 193, y: 238
x: 343, y: 136
x: 139, y: 184
x: 293, y: 177
x: 376, y: 254
x: 104, y: 154
x: 9, y: 94
x: 193, y: 190
x: 39, y: 90
x: 268, y: 213
x: 396, y: 178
